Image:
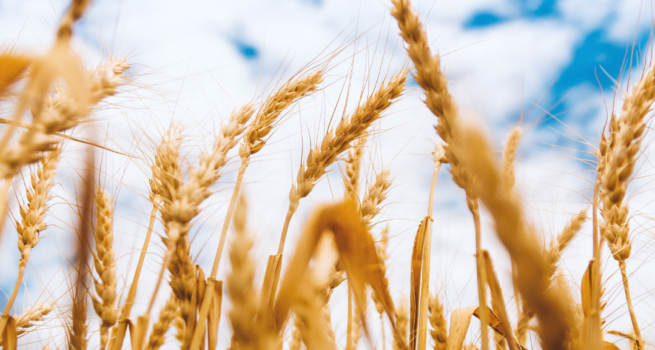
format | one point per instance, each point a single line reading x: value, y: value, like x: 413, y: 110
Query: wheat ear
x: 104, y: 303
x: 166, y: 162
x: 240, y: 283
x: 402, y: 319
x: 553, y: 255
x: 509, y: 156
x: 626, y: 135
x: 334, y: 143
x: 563, y: 240
x: 509, y: 178
x: 34, y: 314
x: 296, y: 338
x: 255, y: 137
x: 353, y: 168
x: 180, y: 326
x: 338, y: 141
x: 32, y: 215
x: 183, y: 206
x: 76, y: 334
x: 159, y: 329
x: 376, y: 193
x: 382, y: 245
x: 439, y: 331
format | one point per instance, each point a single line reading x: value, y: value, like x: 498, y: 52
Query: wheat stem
x: 228, y: 216
x: 633, y: 317
x: 129, y: 302
x: 439, y: 154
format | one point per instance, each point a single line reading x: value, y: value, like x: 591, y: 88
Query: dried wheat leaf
x: 415, y: 278
x: 586, y: 289
x: 498, y: 303
x: 459, y: 324
x: 269, y: 287
x: 9, y: 336
x: 139, y: 335
x: 358, y: 255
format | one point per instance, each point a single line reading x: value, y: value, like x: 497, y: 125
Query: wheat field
x: 164, y: 234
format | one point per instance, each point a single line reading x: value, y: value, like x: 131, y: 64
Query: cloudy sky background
x: 550, y: 66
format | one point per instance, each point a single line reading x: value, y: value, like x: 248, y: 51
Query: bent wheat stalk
x: 334, y: 143
x: 253, y: 141
x: 166, y: 161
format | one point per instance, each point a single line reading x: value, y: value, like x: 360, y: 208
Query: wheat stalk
x: 104, y: 303
x: 423, y: 303
x: 439, y: 100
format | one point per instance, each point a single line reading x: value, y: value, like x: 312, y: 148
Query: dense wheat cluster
x: 343, y: 244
